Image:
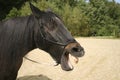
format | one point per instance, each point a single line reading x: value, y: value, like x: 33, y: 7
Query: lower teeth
x: 75, y: 59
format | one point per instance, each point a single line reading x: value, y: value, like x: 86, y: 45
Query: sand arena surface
x: 101, y: 62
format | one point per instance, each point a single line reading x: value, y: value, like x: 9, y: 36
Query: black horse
x: 44, y: 30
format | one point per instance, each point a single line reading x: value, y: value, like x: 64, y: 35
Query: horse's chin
x: 65, y: 62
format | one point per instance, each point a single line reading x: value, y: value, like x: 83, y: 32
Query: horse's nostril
x: 75, y: 49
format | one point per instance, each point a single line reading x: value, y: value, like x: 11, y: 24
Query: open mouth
x: 65, y: 62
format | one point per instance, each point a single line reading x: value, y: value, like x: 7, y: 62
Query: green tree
x: 93, y: 18
x: 7, y: 5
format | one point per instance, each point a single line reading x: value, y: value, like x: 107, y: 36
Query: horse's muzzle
x: 76, y: 51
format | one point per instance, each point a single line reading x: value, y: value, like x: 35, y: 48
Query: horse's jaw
x: 66, y: 63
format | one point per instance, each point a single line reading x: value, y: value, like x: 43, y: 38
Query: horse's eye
x: 41, y: 27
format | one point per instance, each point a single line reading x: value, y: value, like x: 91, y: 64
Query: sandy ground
x: 101, y: 62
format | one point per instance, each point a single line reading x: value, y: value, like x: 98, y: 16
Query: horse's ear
x: 36, y: 12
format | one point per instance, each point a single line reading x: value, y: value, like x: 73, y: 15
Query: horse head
x: 52, y: 36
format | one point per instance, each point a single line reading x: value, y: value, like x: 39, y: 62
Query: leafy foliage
x: 82, y: 18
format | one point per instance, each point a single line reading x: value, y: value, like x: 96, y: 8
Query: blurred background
x: 81, y: 17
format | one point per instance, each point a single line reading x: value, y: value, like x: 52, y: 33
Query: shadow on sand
x: 34, y: 77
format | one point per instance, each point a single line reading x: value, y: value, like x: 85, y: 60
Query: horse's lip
x: 65, y: 62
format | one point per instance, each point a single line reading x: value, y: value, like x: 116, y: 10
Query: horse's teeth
x: 76, y: 60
